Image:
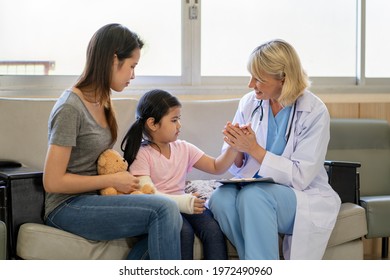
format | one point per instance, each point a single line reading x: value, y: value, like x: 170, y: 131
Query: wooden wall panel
x: 375, y: 111
x: 343, y: 110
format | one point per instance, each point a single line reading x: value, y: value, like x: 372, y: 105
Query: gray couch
x: 367, y: 141
x: 25, y: 121
x: 3, y: 241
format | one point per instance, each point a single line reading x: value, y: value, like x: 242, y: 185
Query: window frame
x: 191, y: 82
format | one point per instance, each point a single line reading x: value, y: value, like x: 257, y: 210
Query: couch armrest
x: 349, y: 164
x: 344, y: 179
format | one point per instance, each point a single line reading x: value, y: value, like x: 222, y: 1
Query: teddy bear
x: 110, y: 162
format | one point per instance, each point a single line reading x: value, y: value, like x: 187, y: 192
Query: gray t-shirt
x: 71, y: 125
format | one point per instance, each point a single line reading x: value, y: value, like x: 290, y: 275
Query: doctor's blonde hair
x: 279, y: 59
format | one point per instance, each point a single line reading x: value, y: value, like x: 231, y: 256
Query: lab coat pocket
x: 323, y: 210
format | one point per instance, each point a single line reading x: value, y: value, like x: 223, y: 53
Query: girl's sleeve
x: 141, y: 165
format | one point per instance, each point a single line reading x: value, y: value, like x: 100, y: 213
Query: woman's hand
x: 241, y: 138
x: 125, y: 182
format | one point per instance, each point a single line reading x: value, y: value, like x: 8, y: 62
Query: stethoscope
x: 259, y: 107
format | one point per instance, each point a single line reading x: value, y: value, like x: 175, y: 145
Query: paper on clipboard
x: 245, y: 181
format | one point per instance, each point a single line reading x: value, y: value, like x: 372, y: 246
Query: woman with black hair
x: 82, y: 125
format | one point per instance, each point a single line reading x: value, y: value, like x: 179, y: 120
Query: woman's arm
x: 57, y: 180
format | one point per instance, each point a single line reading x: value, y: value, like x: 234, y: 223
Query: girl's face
x: 268, y: 88
x: 168, y: 129
x: 123, y: 73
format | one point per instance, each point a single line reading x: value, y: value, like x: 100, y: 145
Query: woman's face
x: 267, y: 88
x: 123, y: 73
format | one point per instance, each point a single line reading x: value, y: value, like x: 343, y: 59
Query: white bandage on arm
x: 145, y: 180
x: 185, y: 202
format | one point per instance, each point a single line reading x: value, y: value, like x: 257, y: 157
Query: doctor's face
x: 266, y: 88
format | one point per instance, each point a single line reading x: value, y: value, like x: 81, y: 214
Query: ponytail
x: 131, y: 143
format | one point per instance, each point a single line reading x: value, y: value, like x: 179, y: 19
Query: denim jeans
x: 97, y: 217
x: 252, y: 216
x: 207, y: 229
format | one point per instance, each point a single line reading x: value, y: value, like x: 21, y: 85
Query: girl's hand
x: 198, y: 204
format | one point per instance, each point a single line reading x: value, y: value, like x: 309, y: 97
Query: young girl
x: 152, y: 148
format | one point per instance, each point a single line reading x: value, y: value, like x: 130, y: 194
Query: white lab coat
x: 301, y: 166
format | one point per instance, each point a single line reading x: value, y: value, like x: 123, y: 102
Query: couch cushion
x: 350, y: 225
x: 352, y: 250
x: 41, y: 242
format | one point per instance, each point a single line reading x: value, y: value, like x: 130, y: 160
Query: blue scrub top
x: 277, y: 126
x: 276, y: 135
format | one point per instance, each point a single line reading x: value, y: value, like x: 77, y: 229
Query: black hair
x: 153, y: 104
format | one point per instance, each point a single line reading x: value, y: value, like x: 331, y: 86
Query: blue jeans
x: 253, y: 216
x: 207, y: 229
x: 97, y: 217
x: 204, y: 226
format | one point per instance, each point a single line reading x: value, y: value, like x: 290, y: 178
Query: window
x: 59, y: 31
x: 377, y: 40
x: 324, y: 36
x: 193, y: 45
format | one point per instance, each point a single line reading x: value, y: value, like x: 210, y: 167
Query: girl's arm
x: 57, y: 180
x: 220, y: 164
x: 187, y: 203
x: 223, y: 162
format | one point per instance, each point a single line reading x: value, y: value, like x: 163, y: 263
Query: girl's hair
x: 279, y: 59
x: 110, y: 40
x: 153, y: 104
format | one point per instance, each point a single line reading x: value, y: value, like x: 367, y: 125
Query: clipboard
x: 245, y: 181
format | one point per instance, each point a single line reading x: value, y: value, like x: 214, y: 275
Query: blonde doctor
x: 282, y: 131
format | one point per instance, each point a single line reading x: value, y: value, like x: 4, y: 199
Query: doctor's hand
x: 243, y: 139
